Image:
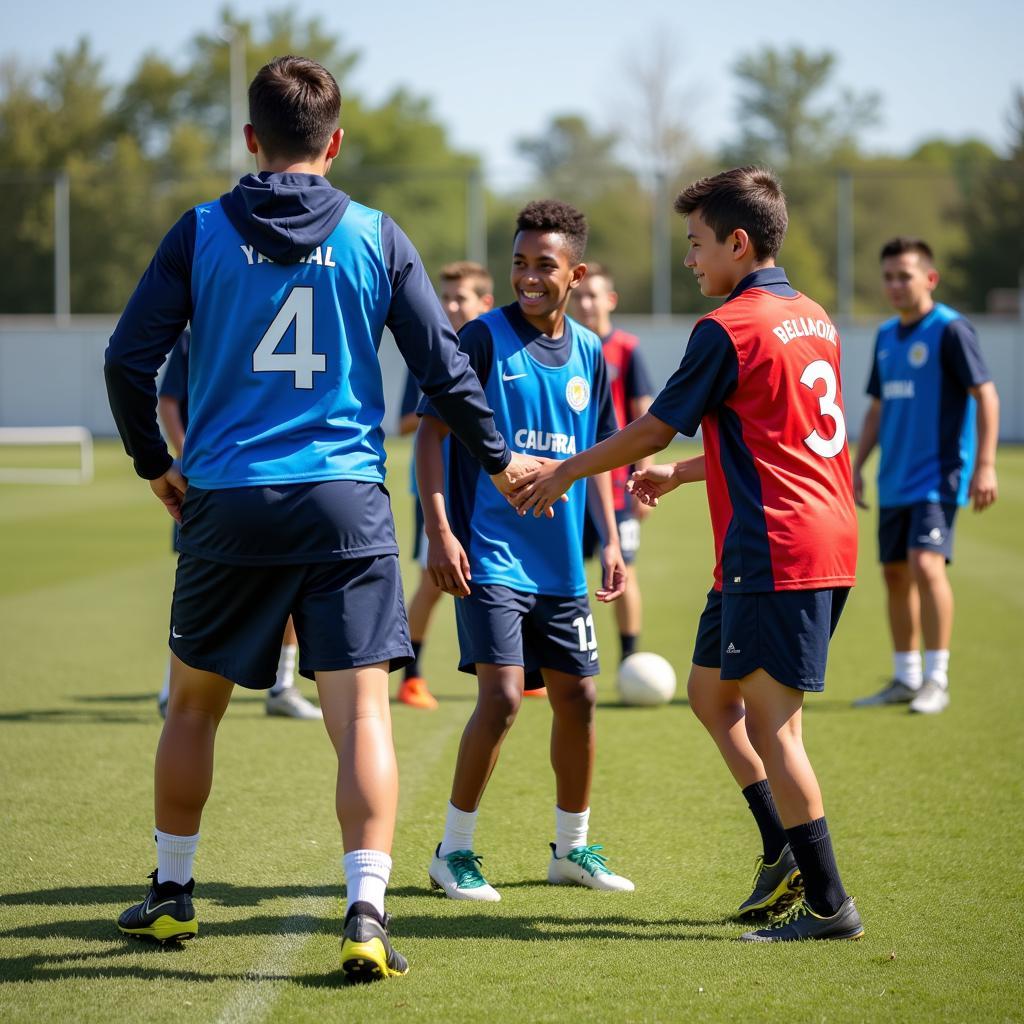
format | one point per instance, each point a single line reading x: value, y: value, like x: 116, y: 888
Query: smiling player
x: 521, y: 584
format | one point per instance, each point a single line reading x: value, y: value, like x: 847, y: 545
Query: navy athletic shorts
x: 785, y: 632
x: 501, y: 626
x: 928, y: 526
x: 229, y: 619
x: 629, y: 536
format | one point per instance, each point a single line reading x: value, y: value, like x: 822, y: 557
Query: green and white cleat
x: 583, y: 865
x: 458, y: 876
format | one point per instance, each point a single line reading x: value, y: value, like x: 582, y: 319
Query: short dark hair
x: 293, y: 106
x: 467, y: 270
x: 595, y: 269
x: 904, y: 243
x: 750, y: 198
x: 559, y: 218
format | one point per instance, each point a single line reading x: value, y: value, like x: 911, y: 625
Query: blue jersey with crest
x: 554, y: 411
x: 285, y: 385
x: 927, y: 435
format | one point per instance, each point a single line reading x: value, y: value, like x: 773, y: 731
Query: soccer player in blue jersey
x: 934, y: 414
x: 288, y: 285
x: 467, y: 292
x: 521, y: 587
x: 283, y: 698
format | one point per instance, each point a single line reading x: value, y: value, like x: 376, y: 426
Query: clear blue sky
x: 496, y: 72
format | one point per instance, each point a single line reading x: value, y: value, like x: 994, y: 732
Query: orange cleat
x: 541, y: 691
x: 414, y: 692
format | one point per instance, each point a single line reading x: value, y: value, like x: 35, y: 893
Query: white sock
x: 570, y: 830
x: 165, y: 690
x: 366, y: 877
x: 906, y: 667
x: 936, y: 667
x: 285, y: 669
x: 459, y: 827
x: 174, y: 856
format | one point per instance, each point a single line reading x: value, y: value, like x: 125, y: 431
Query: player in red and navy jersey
x: 592, y: 304
x: 760, y: 376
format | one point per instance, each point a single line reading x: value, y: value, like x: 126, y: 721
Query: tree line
x: 139, y: 154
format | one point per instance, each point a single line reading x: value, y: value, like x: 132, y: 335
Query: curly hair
x: 559, y: 218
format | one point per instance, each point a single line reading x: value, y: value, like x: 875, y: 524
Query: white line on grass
x: 253, y: 998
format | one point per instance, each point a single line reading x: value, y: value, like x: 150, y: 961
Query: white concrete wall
x: 52, y: 375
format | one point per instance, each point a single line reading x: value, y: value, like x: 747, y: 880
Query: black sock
x: 762, y: 807
x: 364, y: 908
x: 628, y: 644
x: 413, y: 668
x: 812, y: 848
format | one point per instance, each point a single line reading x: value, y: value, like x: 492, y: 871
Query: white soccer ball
x: 646, y: 679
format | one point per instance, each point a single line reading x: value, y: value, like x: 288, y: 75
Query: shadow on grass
x: 449, y: 926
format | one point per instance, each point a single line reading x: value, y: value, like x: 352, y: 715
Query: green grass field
x: 926, y: 812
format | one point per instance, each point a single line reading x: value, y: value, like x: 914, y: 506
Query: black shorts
x: 786, y: 633
x: 229, y: 619
x: 927, y: 526
x: 501, y: 626
x: 629, y: 536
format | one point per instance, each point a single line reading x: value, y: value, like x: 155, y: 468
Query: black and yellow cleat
x: 166, y: 914
x: 800, y: 922
x: 776, y: 887
x: 366, y: 950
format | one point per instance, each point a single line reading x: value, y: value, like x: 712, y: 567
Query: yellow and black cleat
x: 366, y: 950
x: 776, y: 887
x: 165, y: 915
x: 800, y: 923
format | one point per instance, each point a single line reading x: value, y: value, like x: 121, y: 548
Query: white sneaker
x: 894, y: 692
x: 932, y: 698
x: 289, y: 703
x: 458, y: 876
x: 583, y: 865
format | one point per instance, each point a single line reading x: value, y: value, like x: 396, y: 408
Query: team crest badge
x: 918, y: 355
x: 577, y: 394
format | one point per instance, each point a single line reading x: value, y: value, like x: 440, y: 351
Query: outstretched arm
x: 640, y: 439
x: 649, y: 485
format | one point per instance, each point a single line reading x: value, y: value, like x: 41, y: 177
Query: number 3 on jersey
x: 826, y: 447
x: 303, y: 362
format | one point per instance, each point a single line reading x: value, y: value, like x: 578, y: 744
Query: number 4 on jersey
x: 303, y: 362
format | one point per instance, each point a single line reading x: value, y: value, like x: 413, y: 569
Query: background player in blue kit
x: 934, y: 414
x: 283, y: 698
x: 521, y: 584
x: 288, y: 285
x: 467, y: 291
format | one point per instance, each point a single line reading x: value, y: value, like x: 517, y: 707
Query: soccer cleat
x: 458, y: 875
x: 289, y: 703
x: 541, y: 691
x: 894, y: 692
x: 161, y: 705
x: 583, y: 865
x: 776, y: 886
x: 415, y: 693
x: 932, y: 698
x: 366, y: 950
x: 800, y: 922
x: 166, y: 914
